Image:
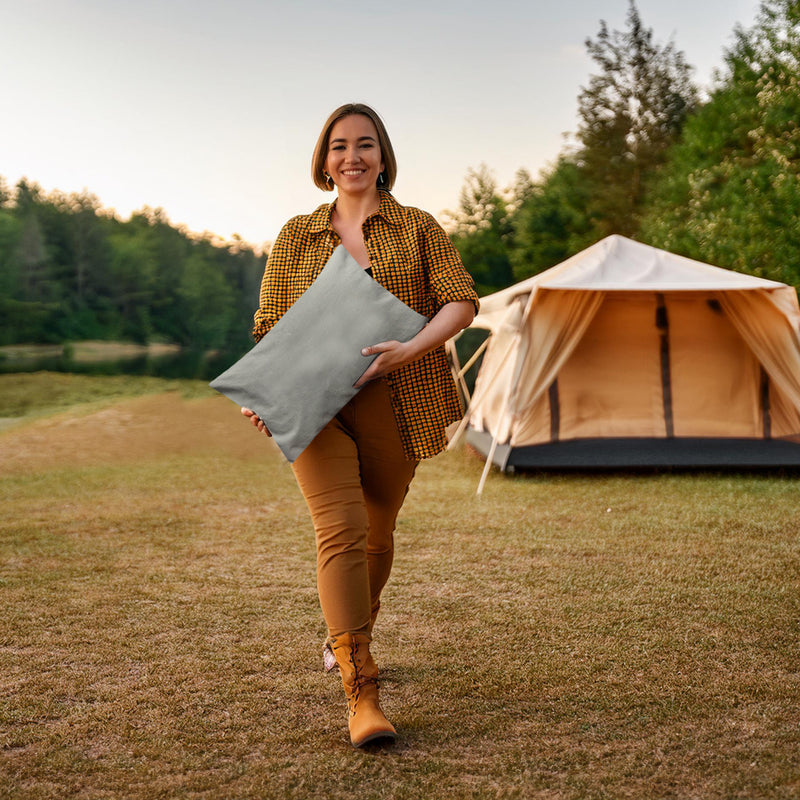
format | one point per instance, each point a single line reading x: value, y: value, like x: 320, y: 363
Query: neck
x: 356, y: 208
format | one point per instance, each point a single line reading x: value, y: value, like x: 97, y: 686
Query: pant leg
x: 386, y: 475
x: 354, y: 478
x: 328, y: 475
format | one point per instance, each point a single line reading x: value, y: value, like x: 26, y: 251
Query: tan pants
x: 354, y: 478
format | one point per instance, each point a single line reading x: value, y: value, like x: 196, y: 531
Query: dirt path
x: 145, y: 427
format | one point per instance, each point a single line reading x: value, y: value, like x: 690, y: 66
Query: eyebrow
x: 360, y: 139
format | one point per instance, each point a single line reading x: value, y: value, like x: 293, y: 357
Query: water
x: 196, y: 364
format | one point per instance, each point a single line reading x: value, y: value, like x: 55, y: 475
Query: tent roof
x: 619, y: 264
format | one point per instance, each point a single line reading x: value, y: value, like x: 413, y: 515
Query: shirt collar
x: 388, y: 208
x: 321, y: 218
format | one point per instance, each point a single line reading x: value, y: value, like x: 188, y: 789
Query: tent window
x: 662, y: 323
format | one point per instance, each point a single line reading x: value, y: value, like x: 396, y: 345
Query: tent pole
x: 456, y: 368
x: 458, y: 371
x: 475, y: 356
x: 495, y: 437
x: 487, y: 466
x: 471, y: 400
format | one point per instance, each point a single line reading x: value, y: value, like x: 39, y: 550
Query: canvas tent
x: 626, y: 355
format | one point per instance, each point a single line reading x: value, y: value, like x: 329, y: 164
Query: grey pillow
x: 301, y: 374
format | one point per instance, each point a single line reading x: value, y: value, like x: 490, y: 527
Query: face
x: 354, y: 155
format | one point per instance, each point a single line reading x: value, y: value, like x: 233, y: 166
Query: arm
x: 451, y: 318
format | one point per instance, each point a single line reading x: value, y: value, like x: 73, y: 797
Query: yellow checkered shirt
x: 415, y: 260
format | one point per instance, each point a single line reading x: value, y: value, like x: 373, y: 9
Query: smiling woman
x: 355, y: 474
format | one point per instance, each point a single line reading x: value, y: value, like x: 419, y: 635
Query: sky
x: 210, y: 110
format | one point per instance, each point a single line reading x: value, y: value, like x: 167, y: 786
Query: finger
x: 368, y: 375
x: 380, y: 347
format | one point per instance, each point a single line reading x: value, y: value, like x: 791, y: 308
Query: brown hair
x: 321, y: 150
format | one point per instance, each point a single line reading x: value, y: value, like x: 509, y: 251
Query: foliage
x: 70, y: 271
x: 717, y: 181
x: 481, y: 230
x: 630, y: 112
x: 551, y: 223
x: 731, y: 191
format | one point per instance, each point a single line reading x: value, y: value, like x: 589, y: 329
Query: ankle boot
x: 360, y: 678
x: 329, y: 659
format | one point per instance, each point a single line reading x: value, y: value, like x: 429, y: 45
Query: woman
x: 355, y: 474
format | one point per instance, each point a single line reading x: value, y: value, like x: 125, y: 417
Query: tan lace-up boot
x: 329, y: 659
x: 366, y: 721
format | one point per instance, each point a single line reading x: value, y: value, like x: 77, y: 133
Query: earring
x: 328, y: 180
x: 380, y: 178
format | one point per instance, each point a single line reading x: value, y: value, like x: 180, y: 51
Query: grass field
x: 563, y: 636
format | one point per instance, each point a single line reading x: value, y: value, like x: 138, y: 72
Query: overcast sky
x: 211, y: 109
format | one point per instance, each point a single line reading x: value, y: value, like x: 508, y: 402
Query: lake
x: 116, y: 358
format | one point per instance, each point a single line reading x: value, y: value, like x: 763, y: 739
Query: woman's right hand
x: 256, y: 420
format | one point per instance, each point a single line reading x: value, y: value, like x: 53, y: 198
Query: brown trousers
x: 354, y: 478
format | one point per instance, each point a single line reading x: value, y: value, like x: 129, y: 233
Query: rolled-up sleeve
x: 447, y: 276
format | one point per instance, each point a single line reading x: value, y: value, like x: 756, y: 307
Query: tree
x: 730, y: 193
x: 207, y: 302
x: 630, y: 113
x: 481, y: 230
x: 551, y: 223
x: 69, y: 270
x: 5, y: 193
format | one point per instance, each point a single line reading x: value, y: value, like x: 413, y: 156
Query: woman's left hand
x: 392, y: 356
x: 449, y: 320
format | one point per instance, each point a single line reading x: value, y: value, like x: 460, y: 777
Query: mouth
x: 353, y: 173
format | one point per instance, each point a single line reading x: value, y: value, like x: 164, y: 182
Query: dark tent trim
x: 633, y: 453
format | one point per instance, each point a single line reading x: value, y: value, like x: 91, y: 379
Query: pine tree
x: 630, y: 113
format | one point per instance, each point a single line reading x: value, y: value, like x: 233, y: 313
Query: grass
x: 33, y: 395
x: 562, y: 636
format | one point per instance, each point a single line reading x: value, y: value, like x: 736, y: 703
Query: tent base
x: 630, y: 453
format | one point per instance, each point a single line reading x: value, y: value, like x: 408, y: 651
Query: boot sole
x: 386, y: 736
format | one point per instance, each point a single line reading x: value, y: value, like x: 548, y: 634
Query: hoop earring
x: 328, y: 180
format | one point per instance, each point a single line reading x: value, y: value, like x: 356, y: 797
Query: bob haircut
x: 321, y: 150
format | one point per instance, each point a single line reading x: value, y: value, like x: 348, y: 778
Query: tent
x: 629, y: 356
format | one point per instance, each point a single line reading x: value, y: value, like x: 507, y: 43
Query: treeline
x: 715, y: 179
x: 70, y: 271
